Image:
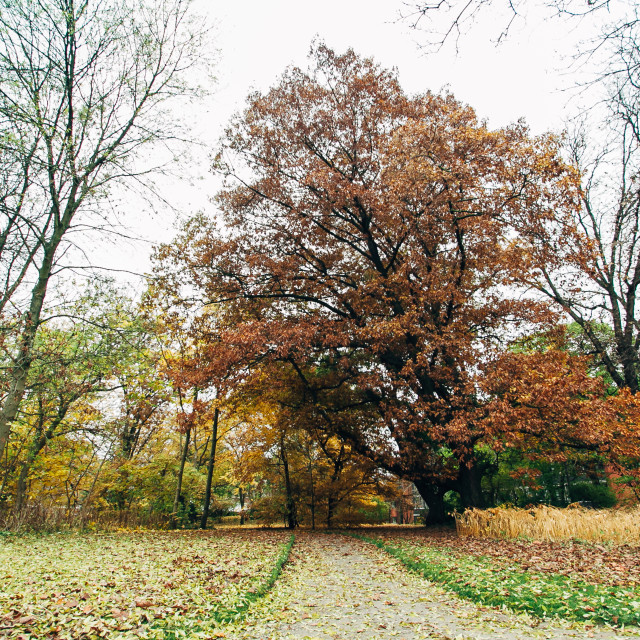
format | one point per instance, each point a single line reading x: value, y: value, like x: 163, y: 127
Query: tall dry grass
x: 38, y: 517
x: 551, y: 523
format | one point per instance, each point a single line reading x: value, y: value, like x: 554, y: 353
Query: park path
x: 339, y: 588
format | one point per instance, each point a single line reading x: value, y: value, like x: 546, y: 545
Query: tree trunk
x: 331, y: 507
x: 22, y: 364
x: 433, y: 495
x: 290, y: 515
x: 470, y: 486
x: 332, y: 500
x: 212, y: 460
x: 183, y: 460
x: 312, y: 508
x: 312, y: 488
x: 241, y: 495
x: 21, y: 487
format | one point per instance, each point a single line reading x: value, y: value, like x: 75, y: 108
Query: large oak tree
x: 372, y: 244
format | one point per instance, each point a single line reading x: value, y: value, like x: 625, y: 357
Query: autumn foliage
x: 549, y: 404
x: 376, y: 245
x: 367, y: 307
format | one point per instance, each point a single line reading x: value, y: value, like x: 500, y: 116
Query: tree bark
x: 212, y: 460
x: 241, y: 496
x: 22, y: 364
x: 433, y: 495
x: 183, y: 460
x: 291, y: 515
x: 332, y: 500
x: 312, y: 505
x: 470, y: 486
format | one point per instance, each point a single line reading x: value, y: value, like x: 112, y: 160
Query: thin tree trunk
x: 183, y: 460
x: 313, y: 499
x: 332, y: 500
x: 291, y: 517
x: 20, y: 370
x: 313, y: 511
x: 212, y: 460
x: 22, y: 364
x: 241, y: 494
x: 21, y: 485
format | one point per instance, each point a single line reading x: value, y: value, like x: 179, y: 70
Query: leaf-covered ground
x: 131, y: 584
x: 614, y: 565
x: 573, y: 581
x: 199, y: 584
x: 340, y: 588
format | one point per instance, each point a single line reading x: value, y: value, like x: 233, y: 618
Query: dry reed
x: 38, y: 517
x: 551, y: 523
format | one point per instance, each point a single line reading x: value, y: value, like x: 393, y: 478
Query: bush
x: 599, y: 496
x: 452, y: 502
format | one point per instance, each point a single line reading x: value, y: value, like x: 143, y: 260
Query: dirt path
x: 339, y: 588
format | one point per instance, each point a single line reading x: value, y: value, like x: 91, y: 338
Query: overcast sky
x: 525, y: 77
x: 518, y: 78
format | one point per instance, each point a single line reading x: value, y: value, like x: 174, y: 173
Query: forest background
x: 384, y: 288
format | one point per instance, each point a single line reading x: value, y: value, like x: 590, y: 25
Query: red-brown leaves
x: 375, y: 238
x: 547, y: 403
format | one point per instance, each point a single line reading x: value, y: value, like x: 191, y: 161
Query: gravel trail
x: 339, y: 588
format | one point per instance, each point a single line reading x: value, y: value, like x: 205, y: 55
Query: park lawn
x: 574, y: 581
x: 133, y: 584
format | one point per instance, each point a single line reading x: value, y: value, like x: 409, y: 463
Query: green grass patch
x: 236, y: 611
x: 240, y: 608
x: 545, y: 595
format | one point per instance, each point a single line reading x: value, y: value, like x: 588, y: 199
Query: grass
x: 550, y: 523
x: 250, y: 596
x: 134, y: 584
x: 235, y: 612
x: 481, y: 580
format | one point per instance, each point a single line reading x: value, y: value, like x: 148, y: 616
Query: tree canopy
x: 377, y: 244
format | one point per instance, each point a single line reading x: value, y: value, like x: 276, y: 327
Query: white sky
x: 257, y: 39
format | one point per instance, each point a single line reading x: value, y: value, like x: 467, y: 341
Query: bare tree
x: 84, y: 87
x: 444, y: 21
x: 598, y: 282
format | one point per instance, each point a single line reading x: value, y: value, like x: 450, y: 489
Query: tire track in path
x: 340, y: 588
